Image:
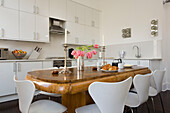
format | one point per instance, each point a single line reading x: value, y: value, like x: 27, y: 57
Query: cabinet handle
x: 14, y: 67
x: 2, y: 32
x: 34, y: 35
x: 77, y: 19
x: 37, y: 10
x: 37, y: 36
x: 2, y: 3
x: 19, y: 67
x: 34, y: 8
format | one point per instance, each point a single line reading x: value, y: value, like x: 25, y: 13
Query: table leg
x: 73, y: 101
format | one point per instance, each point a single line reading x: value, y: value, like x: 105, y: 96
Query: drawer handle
x: 2, y: 32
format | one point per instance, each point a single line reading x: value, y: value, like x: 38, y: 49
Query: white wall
x: 136, y: 14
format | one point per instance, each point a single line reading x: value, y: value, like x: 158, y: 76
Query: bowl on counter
x: 19, y: 54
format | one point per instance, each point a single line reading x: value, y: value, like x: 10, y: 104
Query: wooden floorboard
x: 12, y: 106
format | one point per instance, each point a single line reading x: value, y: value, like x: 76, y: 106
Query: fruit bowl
x: 19, y: 54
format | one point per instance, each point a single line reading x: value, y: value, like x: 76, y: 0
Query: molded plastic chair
x: 141, y: 84
x: 109, y: 97
x: 156, y: 86
x: 25, y: 90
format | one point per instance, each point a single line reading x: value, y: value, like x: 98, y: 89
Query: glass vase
x: 80, y: 64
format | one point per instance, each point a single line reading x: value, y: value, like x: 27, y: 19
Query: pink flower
x: 73, y: 52
x: 76, y: 57
x: 82, y: 53
x: 94, y: 52
x: 96, y: 46
x: 89, y: 55
x: 78, y: 52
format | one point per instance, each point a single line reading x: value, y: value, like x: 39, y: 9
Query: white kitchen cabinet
x: 47, y: 64
x: 24, y: 67
x: 9, y: 24
x: 58, y: 9
x: 95, y: 19
x: 27, y: 26
x: 75, y: 12
x: 40, y: 7
x: 43, y: 7
x: 28, y: 6
x: 12, y: 4
x: 7, y: 85
x: 88, y: 16
x: 42, y: 29
x: 71, y: 27
x: 34, y: 27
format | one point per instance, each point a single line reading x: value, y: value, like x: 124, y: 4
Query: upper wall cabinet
x: 9, y: 24
x: 75, y: 12
x: 13, y: 4
x: 40, y: 7
x: 43, y: 7
x: 58, y: 9
x: 28, y: 6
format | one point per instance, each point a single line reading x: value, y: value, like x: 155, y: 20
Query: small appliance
x: 3, y: 53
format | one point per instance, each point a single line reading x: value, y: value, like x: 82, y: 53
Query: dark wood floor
x: 12, y: 106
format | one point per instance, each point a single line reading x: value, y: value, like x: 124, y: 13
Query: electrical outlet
x: 126, y: 33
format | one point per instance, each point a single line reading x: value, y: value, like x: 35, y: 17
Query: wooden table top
x: 77, y: 76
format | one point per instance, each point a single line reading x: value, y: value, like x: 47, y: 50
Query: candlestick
x: 65, y: 36
x: 65, y: 70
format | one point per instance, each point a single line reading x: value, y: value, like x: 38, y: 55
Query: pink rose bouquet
x: 85, y: 50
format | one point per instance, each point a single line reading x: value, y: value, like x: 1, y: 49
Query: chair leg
x: 162, y: 103
x: 147, y: 107
x: 153, y: 104
x: 134, y: 110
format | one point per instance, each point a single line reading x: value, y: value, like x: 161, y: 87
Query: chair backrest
x: 157, y: 79
x: 110, y: 97
x: 25, y: 90
x: 142, y: 84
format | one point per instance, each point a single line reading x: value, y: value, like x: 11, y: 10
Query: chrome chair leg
x: 162, y: 103
x: 147, y: 107
x: 153, y: 104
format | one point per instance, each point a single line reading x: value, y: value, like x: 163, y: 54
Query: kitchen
x: 83, y: 19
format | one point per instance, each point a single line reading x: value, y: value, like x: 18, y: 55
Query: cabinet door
x: 28, y: 6
x: 43, y: 7
x: 80, y: 14
x: 71, y: 26
x: 144, y: 63
x: 42, y: 28
x: 89, y: 34
x: 24, y: 67
x: 47, y: 64
x: 27, y: 26
x: 96, y: 36
x: 88, y: 16
x: 58, y: 9
x: 71, y: 11
x: 80, y: 33
x: 13, y: 4
x: 9, y: 24
x: 7, y: 85
x: 96, y: 18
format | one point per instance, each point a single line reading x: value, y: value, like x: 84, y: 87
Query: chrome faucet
x: 138, y: 55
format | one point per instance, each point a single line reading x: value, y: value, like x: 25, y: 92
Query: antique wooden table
x: 73, y: 87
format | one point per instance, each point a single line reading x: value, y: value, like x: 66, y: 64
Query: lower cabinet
x: 24, y: 67
x: 7, y: 85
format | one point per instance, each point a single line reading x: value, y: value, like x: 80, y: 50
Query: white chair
x: 109, y: 97
x: 156, y: 86
x: 141, y: 84
x: 25, y: 90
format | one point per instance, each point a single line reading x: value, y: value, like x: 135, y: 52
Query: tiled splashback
x: 148, y: 50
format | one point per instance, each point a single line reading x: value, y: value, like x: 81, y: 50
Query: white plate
x: 109, y: 71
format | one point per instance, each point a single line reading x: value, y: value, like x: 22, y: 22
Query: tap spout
x: 138, y: 55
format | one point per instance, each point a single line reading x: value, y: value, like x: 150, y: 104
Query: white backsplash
x: 148, y: 49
